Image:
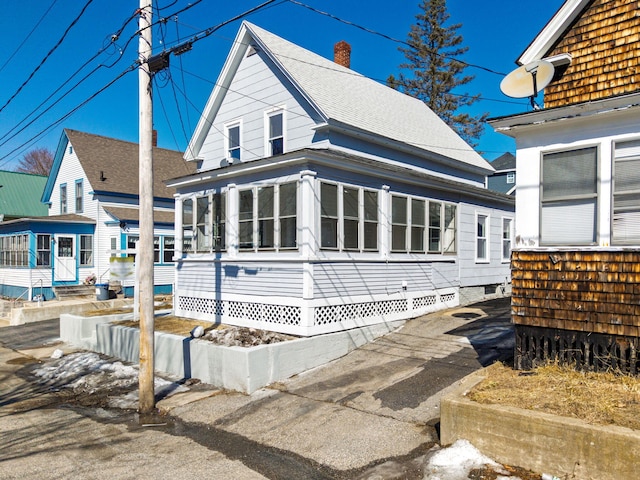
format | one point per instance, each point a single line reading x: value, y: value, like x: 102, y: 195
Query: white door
x: 64, y: 266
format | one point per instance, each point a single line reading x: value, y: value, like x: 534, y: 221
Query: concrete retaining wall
x: 538, y: 441
x: 233, y: 368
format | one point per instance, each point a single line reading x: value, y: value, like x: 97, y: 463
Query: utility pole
x: 145, y: 251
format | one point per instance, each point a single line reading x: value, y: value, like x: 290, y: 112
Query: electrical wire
x: 374, y: 32
x: 58, y: 43
x: 35, y: 27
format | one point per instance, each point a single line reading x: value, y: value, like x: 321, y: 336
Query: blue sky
x: 495, y: 31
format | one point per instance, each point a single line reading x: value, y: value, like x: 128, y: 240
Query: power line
x: 31, y: 75
x: 71, y: 112
x: 35, y: 27
x: 374, y: 32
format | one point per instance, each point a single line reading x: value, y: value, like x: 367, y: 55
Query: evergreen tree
x: 435, y: 72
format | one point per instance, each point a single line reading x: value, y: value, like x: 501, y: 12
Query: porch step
x: 68, y: 292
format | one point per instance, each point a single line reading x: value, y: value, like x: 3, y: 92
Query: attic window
x: 70, y: 149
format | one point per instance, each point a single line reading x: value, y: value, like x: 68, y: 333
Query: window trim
x: 570, y: 198
x: 340, y: 218
x: 613, y: 213
x: 486, y: 237
x: 64, y: 199
x: 510, y: 239
x: 79, y: 196
x: 511, y: 178
x: 268, y: 145
x: 227, y: 141
x: 275, y: 218
x: 84, y: 251
x: 43, y: 250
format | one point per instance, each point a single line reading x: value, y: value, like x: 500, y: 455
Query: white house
x: 324, y: 200
x: 578, y: 182
x: 92, y: 199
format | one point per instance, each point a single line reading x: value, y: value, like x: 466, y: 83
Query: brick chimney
x: 154, y: 138
x: 342, y: 54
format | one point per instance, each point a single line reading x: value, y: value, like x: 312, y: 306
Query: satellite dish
x: 526, y: 81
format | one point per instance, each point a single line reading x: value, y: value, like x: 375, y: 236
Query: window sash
x: 506, y: 238
x: 233, y: 142
x: 625, y: 219
x: 86, y: 250
x: 63, y: 199
x: 79, y: 198
x: 482, y: 253
x: 187, y: 225
x: 168, y: 249
x: 568, y: 212
x: 276, y: 133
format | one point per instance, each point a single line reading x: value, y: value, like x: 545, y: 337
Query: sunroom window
x: 348, y: 218
x: 267, y: 217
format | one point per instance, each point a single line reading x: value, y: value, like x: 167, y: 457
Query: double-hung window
x: 348, y: 218
x: 86, y: 250
x: 569, y: 197
x: 168, y: 249
x: 44, y: 250
x: 507, y: 232
x: 625, y: 228
x: 79, y: 197
x: 203, y: 224
x: 63, y: 199
x: 435, y: 227
x: 267, y: 217
x: 187, y: 225
x: 482, y: 238
x: 232, y: 140
x: 418, y: 208
x: 399, y: 222
x: 275, y: 133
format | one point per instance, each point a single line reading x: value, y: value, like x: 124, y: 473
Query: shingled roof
x: 344, y: 98
x: 111, y: 165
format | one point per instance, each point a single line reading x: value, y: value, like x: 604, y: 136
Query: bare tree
x: 37, y: 161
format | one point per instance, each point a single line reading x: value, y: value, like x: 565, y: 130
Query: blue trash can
x: 102, y: 291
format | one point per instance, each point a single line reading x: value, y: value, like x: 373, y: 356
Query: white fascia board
x: 507, y: 125
x: 552, y: 31
x: 240, y: 45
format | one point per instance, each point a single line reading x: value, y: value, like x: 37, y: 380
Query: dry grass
x: 597, y: 398
x: 176, y: 325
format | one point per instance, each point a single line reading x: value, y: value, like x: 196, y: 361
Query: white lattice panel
x: 448, y: 297
x: 356, y: 311
x: 423, y: 302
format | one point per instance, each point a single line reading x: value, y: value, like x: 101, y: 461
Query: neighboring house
x: 325, y: 201
x: 576, y: 257
x: 504, y: 178
x: 92, y: 198
x: 20, y: 195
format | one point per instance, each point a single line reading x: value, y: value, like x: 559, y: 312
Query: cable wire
x: 32, y: 74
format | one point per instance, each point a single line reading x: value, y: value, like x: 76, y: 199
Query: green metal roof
x: 20, y: 195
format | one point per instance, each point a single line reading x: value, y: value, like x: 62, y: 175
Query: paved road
x: 371, y: 414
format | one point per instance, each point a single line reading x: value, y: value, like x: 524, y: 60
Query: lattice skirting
x: 587, y: 351
x: 310, y: 317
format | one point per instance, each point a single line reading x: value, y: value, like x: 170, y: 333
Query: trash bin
x: 102, y: 291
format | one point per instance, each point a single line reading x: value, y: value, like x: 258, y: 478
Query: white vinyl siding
x: 625, y: 228
x: 569, y: 193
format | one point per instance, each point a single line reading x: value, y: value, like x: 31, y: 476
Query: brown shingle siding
x: 605, y: 46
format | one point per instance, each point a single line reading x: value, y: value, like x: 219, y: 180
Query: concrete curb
x: 244, y: 369
x: 539, y: 441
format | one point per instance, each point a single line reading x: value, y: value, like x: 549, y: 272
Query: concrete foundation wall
x: 234, y: 368
x: 540, y: 442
